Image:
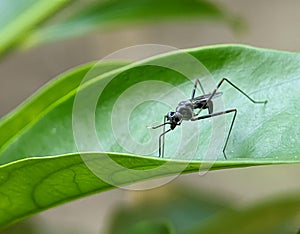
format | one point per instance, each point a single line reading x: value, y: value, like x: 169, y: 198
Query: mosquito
x: 186, y: 111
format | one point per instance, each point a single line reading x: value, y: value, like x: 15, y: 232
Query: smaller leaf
x: 150, y: 227
x: 17, y: 18
x: 268, y: 217
x: 186, y: 209
x: 116, y: 13
x: 181, y: 207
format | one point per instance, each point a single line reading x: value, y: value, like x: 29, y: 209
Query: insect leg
x: 220, y: 113
x: 163, y: 139
x: 237, y: 88
x: 161, y: 146
x: 161, y: 142
x: 197, y: 81
x: 234, y: 86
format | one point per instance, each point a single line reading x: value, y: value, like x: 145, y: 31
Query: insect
x: 186, y: 111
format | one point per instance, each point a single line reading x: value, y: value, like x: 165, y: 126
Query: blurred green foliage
x: 189, y: 211
x: 26, y: 23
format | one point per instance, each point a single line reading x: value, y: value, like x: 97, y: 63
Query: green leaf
x: 182, y: 207
x: 156, y: 226
x: 18, y: 18
x: 186, y: 209
x: 44, y: 100
x: 32, y: 185
x: 272, y: 216
x: 116, y: 13
x: 40, y: 164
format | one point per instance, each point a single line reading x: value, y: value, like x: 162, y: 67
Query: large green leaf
x: 116, y: 13
x: 262, y: 135
x: 18, y: 18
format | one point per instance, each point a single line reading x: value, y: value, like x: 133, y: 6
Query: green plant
x: 31, y: 124
x: 199, y: 212
x: 24, y: 24
x: 33, y: 179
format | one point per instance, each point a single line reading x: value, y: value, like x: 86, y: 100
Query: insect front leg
x: 161, y: 143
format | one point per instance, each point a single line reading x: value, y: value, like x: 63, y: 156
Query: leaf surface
x: 40, y: 164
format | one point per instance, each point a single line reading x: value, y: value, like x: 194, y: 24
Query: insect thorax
x: 186, y: 109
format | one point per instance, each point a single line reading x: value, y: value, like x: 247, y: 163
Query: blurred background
x: 268, y: 23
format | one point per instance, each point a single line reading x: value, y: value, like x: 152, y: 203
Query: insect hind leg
x: 230, y: 128
x: 238, y: 89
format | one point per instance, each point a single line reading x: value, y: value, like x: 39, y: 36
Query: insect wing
x: 206, y: 96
